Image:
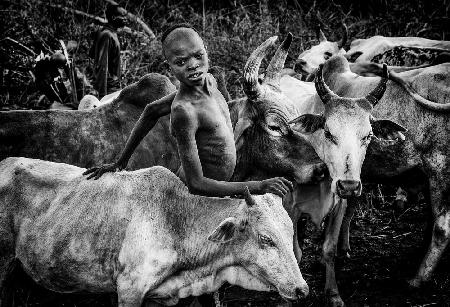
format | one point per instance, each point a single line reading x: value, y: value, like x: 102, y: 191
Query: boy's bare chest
x: 214, y: 115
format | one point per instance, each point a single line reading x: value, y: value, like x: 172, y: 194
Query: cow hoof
x: 414, y: 283
x: 335, y: 301
x: 344, y: 254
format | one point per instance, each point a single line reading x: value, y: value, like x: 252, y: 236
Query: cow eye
x: 276, y: 129
x: 327, y: 55
x: 329, y: 136
x: 266, y: 241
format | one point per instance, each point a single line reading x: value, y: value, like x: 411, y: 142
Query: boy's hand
x: 278, y: 185
x: 97, y: 172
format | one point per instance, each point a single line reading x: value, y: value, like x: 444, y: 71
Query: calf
x: 140, y: 234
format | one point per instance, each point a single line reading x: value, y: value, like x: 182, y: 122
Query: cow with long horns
x: 340, y: 136
x: 342, y: 133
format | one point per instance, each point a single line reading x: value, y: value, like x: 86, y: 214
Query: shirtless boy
x: 200, y: 123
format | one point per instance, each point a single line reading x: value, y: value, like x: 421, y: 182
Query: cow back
x: 92, y: 137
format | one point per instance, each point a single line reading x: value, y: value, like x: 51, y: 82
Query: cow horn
x: 322, y: 89
x: 344, y: 38
x: 249, y: 198
x: 320, y: 36
x: 375, y: 95
x: 276, y: 65
x: 252, y: 88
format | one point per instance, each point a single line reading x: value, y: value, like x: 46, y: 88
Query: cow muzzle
x: 299, y: 294
x: 348, y: 188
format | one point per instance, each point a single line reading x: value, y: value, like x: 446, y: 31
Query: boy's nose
x: 194, y: 66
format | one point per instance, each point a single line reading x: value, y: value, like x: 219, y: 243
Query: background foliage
x: 386, y: 242
x: 231, y: 29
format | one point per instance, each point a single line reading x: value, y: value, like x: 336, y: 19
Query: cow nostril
x: 301, y: 62
x: 301, y: 293
x: 349, y: 185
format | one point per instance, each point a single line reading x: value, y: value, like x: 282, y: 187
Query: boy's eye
x: 199, y: 56
x: 180, y: 62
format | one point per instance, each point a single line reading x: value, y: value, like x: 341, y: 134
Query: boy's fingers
x: 90, y: 170
x: 99, y: 174
x: 284, y: 189
x: 278, y: 191
x: 287, y: 183
x: 91, y: 176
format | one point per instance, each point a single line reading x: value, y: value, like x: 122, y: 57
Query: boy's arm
x: 152, y: 112
x: 185, y: 126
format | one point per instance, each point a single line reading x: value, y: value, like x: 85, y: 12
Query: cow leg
x: 440, y: 200
x: 299, y: 236
x: 128, y: 292
x: 344, y: 236
x: 7, y: 261
x: 329, y: 253
x: 439, y: 240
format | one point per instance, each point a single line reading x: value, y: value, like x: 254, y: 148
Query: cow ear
x: 387, y: 129
x: 352, y: 57
x: 308, y: 123
x: 225, y: 232
x: 242, y: 124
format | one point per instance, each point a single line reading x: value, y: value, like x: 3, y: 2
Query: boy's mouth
x: 195, y: 75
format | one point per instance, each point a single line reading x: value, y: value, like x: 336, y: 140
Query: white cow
x: 140, y: 234
x: 308, y: 61
x: 341, y: 128
x: 91, y: 102
x: 364, y: 50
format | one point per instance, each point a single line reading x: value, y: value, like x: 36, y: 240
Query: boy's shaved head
x: 173, y: 27
x: 178, y: 33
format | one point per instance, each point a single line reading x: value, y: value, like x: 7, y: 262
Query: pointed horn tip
x: 272, y: 39
x: 248, y: 197
x: 287, y: 41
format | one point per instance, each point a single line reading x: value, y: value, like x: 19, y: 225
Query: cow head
x: 308, y: 61
x: 264, y: 139
x: 260, y: 239
x: 342, y: 133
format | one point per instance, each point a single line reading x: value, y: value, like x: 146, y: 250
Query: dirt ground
x: 387, y: 247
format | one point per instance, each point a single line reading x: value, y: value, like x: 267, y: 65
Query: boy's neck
x: 203, y: 89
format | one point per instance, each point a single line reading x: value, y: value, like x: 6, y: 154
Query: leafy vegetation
x: 386, y: 242
x: 231, y: 30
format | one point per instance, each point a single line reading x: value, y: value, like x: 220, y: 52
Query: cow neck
x: 205, y: 215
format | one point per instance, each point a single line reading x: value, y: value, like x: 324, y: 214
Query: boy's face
x: 186, y: 55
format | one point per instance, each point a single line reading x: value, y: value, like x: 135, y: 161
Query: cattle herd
x: 141, y: 234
